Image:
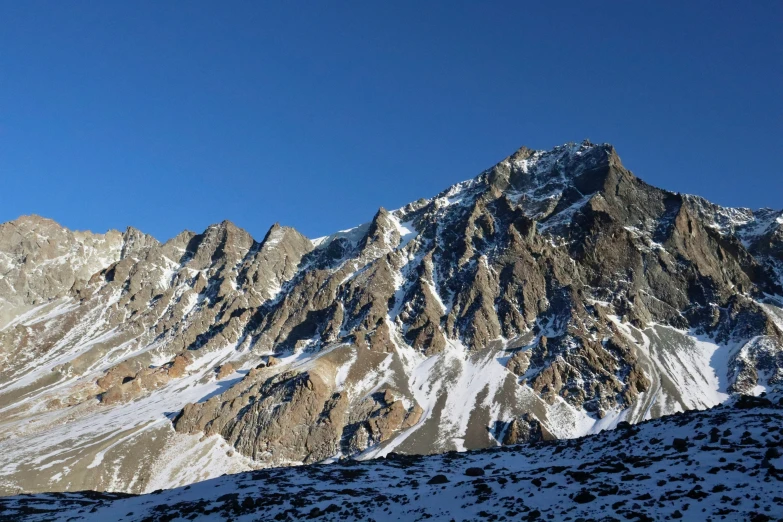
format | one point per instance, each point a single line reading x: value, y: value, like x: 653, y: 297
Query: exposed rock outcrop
x: 523, y: 429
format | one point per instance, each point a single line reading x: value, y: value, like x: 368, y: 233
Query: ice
x: 405, y: 229
x: 474, y: 375
x: 354, y: 235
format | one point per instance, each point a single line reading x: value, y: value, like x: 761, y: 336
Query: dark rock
x: 439, y: 479
x: 583, y: 497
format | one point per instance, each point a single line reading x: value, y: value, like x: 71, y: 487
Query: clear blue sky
x: 173, y: 115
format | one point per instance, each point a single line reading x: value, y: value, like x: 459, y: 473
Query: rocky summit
x: 554, y: 296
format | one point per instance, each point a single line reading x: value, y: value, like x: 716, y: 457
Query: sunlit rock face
x: 552, y: 296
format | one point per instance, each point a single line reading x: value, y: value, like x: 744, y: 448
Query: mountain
x: 721, y: 464
x: 553, y: 296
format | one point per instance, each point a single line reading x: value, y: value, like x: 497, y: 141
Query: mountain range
x: 554, y: 296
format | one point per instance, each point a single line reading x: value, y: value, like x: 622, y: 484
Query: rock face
x: 41, y: 261
x: 291, y: 417
x: 554, y: 295
x: 522, y: 430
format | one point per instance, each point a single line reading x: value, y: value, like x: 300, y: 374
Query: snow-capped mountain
x: 553, y: 296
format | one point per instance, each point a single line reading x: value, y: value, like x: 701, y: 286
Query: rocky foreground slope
x: 553, y: 296
x: 722, y: 464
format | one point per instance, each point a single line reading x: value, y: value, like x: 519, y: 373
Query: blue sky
x: 174, y: 115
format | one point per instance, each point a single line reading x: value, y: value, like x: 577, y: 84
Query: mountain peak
x: 522, y: 153
x: 552, y: 296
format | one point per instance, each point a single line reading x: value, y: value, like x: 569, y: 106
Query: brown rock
x: 225, y: 370
x: 116, y: 375
x: 518, y: 363
x: 523, y: 429
x: 179, y: 365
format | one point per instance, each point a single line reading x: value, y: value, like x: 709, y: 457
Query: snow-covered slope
x: 721, y: 464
